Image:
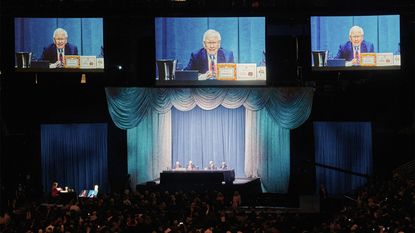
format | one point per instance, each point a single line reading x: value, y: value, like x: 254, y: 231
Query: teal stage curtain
x: 270, y: 113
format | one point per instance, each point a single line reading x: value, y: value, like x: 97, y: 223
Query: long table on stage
x: 197, y: 177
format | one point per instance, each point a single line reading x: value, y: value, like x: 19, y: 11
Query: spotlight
x: 119, y: 67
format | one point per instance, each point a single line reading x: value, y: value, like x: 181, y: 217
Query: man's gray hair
x: 356, y: 28
x: 60, y: 30
x: 211, y: 33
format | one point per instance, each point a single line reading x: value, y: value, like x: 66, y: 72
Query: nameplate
x: 72, y: 61
x: 384, y: 59
x: 368, y: 59
x: 100, y: 63
x: 246, y: 71
x: 88, y: 62
x: 226, y: 71
x: 261, y: 73
x: 397, y: 60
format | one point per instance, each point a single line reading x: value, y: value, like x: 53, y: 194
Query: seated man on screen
x: 206, y: 59
x: 351, y: 50
x: 60, y: 47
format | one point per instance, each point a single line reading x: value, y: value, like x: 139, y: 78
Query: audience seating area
x: 380, y: 206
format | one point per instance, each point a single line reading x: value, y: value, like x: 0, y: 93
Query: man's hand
x: 59, y: 64
x: 209, y: 75
x: 355, y: 61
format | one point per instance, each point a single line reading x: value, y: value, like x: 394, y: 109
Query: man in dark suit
x: 56, y: 52
x: 351, y: 49
x: 206, y: 59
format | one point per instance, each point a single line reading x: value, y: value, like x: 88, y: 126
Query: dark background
x: 385, y: 98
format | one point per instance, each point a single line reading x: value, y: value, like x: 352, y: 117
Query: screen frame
x: 352, y: 69
x: 55, y: 70
x: 212, y: 83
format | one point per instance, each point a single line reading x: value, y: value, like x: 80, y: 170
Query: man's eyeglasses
x: 211, y: 42
x: 60, y: 38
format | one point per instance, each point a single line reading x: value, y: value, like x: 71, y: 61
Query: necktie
x: 356, y: 53
x: 60, y: 55
x: 212, y: 65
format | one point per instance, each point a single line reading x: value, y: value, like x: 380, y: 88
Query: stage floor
x: 237, y: 181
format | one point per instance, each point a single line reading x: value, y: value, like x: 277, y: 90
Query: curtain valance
x: 288, y: 106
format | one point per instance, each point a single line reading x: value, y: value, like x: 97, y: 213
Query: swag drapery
x: 270, y: 113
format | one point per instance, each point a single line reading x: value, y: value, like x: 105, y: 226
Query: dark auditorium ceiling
x: 210, y: 5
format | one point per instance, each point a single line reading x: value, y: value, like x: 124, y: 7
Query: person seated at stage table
x: 55, y: 191
x: 191, y: 166
x: 177, y: 165
x: 223, y: 166
x: 211, y: 166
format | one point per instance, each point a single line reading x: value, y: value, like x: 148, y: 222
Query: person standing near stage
x: 323, y: 198
x: 236, y: 199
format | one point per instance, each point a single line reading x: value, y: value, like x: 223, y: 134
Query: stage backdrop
x: 216, y: 135
x: 270, y: 113
x: 344, y: 145
x: 74, y: 155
